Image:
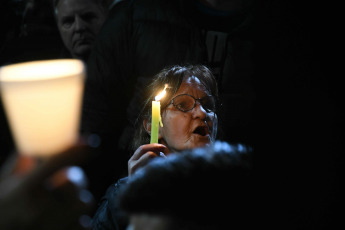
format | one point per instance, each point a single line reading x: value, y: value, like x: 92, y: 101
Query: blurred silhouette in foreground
x: 203, y: 188
x: 46, y: 193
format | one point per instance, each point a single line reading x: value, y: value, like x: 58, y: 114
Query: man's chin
x: 82, y: 51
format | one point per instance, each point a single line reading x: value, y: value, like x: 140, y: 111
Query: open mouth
x: 201, y: 130
x: 82, y: 42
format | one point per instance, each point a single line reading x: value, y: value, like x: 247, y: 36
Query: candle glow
x: 42, y: 101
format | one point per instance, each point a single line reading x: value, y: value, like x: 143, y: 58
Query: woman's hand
x: 143, y: 155
x: 52, y: 194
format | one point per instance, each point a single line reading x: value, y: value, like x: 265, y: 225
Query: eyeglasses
x: 186, y: 102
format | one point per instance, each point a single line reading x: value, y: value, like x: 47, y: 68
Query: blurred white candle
x: 42, y: 101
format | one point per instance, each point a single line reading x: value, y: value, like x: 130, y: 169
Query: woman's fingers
x: 144, y: 159
x: 148, y: 147
x: 143, y: 155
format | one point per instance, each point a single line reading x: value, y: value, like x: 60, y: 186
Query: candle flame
x: 161, y: 94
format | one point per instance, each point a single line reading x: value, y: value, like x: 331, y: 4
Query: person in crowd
x: 46, y: 194
x: 79, y: 22
x: 208, y: 188
x: 140, y: 38
x: 41, y: 30
x: 29, y: 33
x: 188, y: 114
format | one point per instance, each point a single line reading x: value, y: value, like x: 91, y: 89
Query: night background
x: 297, y: 119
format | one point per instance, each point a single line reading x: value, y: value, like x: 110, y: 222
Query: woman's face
x: 186, y: 130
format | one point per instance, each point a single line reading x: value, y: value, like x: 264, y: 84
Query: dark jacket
x: 142, y: 37
x: 108, y: 215
x: 138, y: 40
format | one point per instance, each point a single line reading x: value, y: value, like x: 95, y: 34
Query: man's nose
x: 80, y: 24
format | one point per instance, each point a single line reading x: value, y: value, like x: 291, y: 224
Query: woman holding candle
x: 189, y: 120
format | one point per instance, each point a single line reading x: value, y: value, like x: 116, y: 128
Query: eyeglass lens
x: 186, y: 102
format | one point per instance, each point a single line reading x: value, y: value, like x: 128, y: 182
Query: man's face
x: 79, y: 22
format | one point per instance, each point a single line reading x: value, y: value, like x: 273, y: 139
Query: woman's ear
x: 147, y: 126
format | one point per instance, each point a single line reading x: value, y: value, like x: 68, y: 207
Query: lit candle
x: 156, y: 116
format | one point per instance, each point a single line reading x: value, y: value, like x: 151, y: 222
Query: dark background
x: 298, y: 122
x: 298, y: 118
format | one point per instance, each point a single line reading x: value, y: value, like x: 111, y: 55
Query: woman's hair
x: 173, y: 76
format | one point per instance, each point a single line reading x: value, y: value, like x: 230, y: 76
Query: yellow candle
x: 156, y: 116
x: 156, y: 107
